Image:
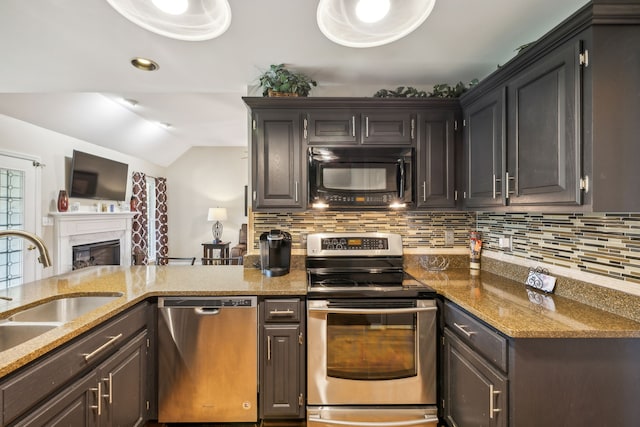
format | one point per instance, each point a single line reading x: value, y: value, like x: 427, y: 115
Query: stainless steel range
x: 371, y: 334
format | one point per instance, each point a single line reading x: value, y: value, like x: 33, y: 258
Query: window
x: 11, y: 217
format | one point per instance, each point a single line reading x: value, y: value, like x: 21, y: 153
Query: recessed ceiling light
x: 130, y: 102
x: 370, y: 23
x: 144, y: 64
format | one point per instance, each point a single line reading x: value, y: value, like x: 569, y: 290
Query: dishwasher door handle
x: 207, y: 311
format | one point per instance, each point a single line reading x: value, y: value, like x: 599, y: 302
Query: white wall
x: 55, y: 150
x: 203, y: 178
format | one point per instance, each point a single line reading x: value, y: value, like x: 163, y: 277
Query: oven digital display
x: 355, y: 243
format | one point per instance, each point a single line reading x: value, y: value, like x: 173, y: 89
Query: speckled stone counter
x: 519, y: 312
x: 135, y: 283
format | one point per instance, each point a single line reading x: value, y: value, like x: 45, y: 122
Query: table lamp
x: 217, y: 215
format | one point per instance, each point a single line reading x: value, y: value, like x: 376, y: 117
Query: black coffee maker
x: 275, y: 253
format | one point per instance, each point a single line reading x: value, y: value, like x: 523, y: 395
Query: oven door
x: 371, y: 352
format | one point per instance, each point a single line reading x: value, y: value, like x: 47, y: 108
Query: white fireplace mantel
x: 81, y: 228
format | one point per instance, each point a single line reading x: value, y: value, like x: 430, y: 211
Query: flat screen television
x: 94, y: 177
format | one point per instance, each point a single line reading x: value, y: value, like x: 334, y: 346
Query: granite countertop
x: 136, y: 283
x: 520, y: 312
x: 503, y: 303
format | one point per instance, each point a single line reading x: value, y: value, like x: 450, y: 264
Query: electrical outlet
x: 47, y: 220
x: 505, y: 243
x: 449, y: 237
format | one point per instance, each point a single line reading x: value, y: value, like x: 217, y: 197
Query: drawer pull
x: 88, y: 356
x: 269, y: 347
x: 492, y: 394
x: 464, y: 331
x: 286, y: 312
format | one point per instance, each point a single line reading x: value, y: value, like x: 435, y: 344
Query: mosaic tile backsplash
x: 418, y: 229
x: 604, y: 244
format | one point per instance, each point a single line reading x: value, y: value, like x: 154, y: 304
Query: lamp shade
x: 217, y: 214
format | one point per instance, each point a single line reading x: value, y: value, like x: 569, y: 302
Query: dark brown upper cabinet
x: 571, y: 120
x: 436, y: 160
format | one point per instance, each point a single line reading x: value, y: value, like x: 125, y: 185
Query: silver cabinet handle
x: 296, y: 190
x: 508, y: 180
x: 98, y: 405
x: 495, y: 181
x: 353, y: 126
x: 286, y: 312
x: 366, y: 126
x: 413, y: 129
x: 492, y: 394
x: 88, y: 356
x: 305, y: 132
x: 464, y: 331
x: 426, y: 420
x: 109, y: 394
x: 269, y: 347
x: 424, y: 191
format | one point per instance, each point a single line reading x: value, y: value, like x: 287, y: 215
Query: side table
x: 208, y: 248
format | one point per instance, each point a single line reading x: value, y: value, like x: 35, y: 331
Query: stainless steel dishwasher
x: 207, y: 359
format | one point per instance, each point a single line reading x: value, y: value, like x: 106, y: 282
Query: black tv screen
x: 94, y: 177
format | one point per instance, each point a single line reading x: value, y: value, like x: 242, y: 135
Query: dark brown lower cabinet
x: 493, y: 380
x: 114, y: 394
x: 475, y: 392
x: 282, y: 359
x: 102, y: 378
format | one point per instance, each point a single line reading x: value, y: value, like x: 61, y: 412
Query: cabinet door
x: 436, y: 160
x: 124, y: 384
x: 76, y: 405
x: 281, y: 392
x: 277, y: 182
x: 475, y: 394
x: 334, y: 127
x: 388, y: 127
x: 484, y: 145
x: 543, y: 141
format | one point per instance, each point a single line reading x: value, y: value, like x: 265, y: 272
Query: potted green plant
x: 279, y: 81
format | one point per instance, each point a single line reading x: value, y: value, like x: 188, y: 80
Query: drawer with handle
x: 282, y: 310
x: 477, y: 335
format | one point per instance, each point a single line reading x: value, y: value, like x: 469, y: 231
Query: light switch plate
x: 47, y: 221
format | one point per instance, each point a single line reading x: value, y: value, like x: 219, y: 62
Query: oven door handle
x: 372, y: 310
x: 426, y: 420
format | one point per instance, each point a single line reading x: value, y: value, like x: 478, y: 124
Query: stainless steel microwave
x: 360, y: 177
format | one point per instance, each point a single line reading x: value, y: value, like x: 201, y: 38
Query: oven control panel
x: 354, y: 243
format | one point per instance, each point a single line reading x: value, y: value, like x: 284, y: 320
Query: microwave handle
x: 401, y: 179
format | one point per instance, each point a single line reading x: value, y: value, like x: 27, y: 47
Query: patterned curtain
x: 162, y: 239
x: 139, y: 226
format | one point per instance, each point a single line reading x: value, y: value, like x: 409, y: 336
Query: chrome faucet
x: 44, y: 258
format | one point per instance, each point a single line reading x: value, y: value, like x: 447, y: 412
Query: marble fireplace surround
x: 81, y: 228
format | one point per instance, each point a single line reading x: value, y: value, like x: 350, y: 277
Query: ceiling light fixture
x: 200, y: 19
x: 144, y: 64
x: 370, y: 23
x: 371, y: 11
x: 172, y: 7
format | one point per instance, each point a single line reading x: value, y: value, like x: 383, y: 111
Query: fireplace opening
x: 100, y: 253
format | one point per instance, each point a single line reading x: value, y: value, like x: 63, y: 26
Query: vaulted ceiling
x: 65, y: 65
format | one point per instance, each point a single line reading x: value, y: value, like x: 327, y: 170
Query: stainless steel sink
x: 29, y: 323
x: 62, y: 309
x: 15, y: 333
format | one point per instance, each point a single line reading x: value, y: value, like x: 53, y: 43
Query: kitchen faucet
x: 44, y: 258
